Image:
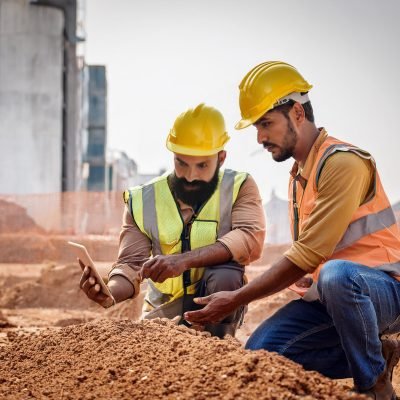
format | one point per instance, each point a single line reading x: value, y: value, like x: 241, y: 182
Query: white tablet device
x: 84, y: 256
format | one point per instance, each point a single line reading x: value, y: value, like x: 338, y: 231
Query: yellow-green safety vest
x: 157, y: 215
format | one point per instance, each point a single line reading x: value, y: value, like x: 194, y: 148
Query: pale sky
x: 164, y: 56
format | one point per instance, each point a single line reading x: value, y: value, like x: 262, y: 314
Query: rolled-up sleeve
x: 246, y: 239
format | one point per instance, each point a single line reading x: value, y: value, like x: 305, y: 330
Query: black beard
x: 200, y: 193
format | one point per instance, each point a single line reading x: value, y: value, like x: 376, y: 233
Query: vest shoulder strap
x: 343, y: 147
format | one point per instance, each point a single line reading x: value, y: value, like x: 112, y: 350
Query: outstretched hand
x: 217, y: 307
x: 161, y: 267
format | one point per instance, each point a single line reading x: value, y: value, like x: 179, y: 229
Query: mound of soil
x: 57, y: 287
x: 148, y: 360
x: 14, y: 218
x: 38, y: 248
x: 57, y: 299
x: 4, y: 322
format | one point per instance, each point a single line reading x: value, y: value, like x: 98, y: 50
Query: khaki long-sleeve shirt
x: 345, y: 183
x: 245, y: 241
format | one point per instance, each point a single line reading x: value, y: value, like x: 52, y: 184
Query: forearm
x: 281, y: 275
x: 121, y: 288
x: 207, y: 256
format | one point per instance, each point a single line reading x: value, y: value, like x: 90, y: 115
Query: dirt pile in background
x: 4, y: 323
x: 57, y: 287
x: 37, y: 248
x: 55, y: 296
x: 148, y: 360
x: 14, y: 218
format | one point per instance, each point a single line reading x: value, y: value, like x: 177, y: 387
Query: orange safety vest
x: 372, y: 237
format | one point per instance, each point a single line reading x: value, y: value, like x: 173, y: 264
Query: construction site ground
x: 56, y: 344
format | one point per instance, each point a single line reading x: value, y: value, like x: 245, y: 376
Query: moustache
x: 267, y: 144
x: 193, y: 185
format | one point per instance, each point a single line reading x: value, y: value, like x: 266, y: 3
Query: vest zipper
x: 186, y: 280
x: 295, y: 210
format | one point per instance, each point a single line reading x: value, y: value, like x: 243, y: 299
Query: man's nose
x: 261, y: 136
x: 191, y: 175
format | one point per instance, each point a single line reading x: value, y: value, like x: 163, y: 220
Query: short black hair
x: 285, y: 108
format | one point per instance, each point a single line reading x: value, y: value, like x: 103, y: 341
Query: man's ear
x: 221, y: 157
x: 298, y: 113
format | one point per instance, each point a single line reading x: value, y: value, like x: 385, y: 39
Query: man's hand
x: 217, y: 307
x: 159, y: 268
x: 92, y: 288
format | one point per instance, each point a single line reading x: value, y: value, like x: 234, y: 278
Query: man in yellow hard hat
x: 200, y: 224
x: 344, y: 235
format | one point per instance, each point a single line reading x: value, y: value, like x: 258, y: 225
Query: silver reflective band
x: 365, y: 226
x: 150, y: 217
x: 226, y: 199
x: 295, y: 96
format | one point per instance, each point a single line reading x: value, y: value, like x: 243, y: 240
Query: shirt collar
x: 306, y: 170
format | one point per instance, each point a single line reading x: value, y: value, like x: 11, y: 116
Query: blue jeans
x: 338, y: 335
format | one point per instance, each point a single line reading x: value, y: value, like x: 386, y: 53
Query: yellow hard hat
x: 263, y: 87
x: 198, y: 131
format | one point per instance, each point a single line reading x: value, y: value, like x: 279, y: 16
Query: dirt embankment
x: 22, y: 240
x: 14, y: 218
x: 148, y: 360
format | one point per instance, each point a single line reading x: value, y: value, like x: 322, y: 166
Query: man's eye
x: 202, y: 166
x: 265, y: 124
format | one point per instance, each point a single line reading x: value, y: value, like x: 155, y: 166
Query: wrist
x: 240, y: 297
x: 184, y: 260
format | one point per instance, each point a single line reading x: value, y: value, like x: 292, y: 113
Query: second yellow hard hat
x: 199, y: 131
x: 263, y: 86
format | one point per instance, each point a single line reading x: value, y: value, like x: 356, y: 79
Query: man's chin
x: 280, y: 157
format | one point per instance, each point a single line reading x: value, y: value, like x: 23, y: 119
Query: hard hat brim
x: 187, y: 151
x: 243, y: 123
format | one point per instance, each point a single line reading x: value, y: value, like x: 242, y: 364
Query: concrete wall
x: 31, y: 62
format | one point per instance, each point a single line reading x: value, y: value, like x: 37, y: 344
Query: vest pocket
x: 170, y: 247
x: 203, y: 233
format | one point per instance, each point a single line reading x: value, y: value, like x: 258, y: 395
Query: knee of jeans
x: 219, y: 279
x: 263, y: 341
x: 333, y: 277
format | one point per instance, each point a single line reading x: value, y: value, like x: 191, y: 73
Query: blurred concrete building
x: 95, y: 149
x: 121, y: 170
x: 278, y: 225
x: 123, y: 173
x: 40, y: 96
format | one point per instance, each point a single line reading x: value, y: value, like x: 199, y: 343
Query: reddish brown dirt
x: 37, y: 248
x: 13, y: 218
x: 75, y: 361
x: 128, y: 360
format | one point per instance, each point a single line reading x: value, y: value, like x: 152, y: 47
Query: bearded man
x: 189, y: 232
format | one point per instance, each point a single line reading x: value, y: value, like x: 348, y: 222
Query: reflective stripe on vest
x: 158, y: 217
x: 372, y: 237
